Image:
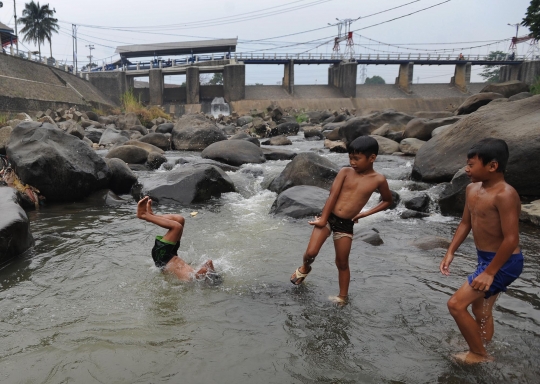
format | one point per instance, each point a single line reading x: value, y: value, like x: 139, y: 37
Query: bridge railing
x: 374, y: 56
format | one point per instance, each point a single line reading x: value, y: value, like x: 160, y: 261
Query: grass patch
x: 302, y: 118
x: 130, y: 103
x: 4, y: 118
x: 535, y: 88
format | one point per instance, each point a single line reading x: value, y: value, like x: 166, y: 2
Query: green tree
x: 39, y: 24
x: 217, y: 79
x: 491, y: 72
x: 375, y: 80
x: 532, y: 19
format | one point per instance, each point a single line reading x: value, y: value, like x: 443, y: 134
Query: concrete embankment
x: 424, y: 97
x: 29, y: 86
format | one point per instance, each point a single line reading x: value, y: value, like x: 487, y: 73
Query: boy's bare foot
x: 206, y: 268
x: 469, y: 357
x: 339, y: 300
x: 141, y: 208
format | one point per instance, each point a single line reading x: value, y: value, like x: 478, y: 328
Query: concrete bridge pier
x: 462, y: 77
x: 405, y: 78
x: 288, y: 77
x: 192, y: 85
x: 234, y: 82
x: 157, y: 86
x: 343, y: 77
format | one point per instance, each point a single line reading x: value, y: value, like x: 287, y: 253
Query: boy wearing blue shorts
x: 492, y: 212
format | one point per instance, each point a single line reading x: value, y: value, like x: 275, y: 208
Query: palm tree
x: 39, y: 24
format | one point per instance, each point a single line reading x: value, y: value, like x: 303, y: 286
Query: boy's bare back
x: 356, y: 191
x: 493, y: 211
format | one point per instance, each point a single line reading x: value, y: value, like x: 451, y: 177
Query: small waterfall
x: 220, y: 107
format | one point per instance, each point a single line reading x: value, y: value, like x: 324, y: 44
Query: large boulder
x: 530, y: 213
x: 71, y: 127
x: 61, y: 166
x: 131, y: 154
x: 185, y: 185
x: 365, y: 125
x: 306, y: 169
x: 289, y: 129
x: 195, y: 133
x: 146, y: 146
x: 122, y: 178
x: 5, y: 133
x: 520, y: 96
x: 159, y: 140
x: 422, y: 129
x: 452, y: 198
x: 15, y: 235
x: 518, y: 123
x: 386, y: 146
x: 300, y: 201
x: 197, y: 160
x: 472, y: 103
x: 245, y: 136
x: 165, y: 128
x: 507, y: 89
x: 234, y: 152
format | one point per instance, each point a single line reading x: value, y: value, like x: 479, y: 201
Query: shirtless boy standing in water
x: 492, y: 212
x: 165, y: 251
x: 350, y: 192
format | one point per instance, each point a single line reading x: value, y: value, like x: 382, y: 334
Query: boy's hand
x: 444, y: 267
x: 359, y: 216
x: 482, y: 282
x: 317, y: 222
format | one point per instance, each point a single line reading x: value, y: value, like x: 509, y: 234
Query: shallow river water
x: 86, y: 305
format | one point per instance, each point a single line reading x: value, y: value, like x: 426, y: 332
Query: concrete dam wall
x: 30, y: 86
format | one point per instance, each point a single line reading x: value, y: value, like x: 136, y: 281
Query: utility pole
x: 74, y: 34
x: 15, y: 17
x: 90, y: 47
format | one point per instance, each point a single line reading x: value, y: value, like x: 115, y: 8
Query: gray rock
x: 158, y: 140
x: 112, y: 136
x: 195, y: 133
x: 396, y: 198
x: 333, y: 135
x: 520, y: 96
x: 61, y: 166
x: 370, y: 236
x: 439, y: 130
x: 127, y: 121
x: 365, y: 125
x: 92, y: 115
x: 290, y: 128
x: 155, y: 160
x: 146, y: 146
x: 410, y: 214
x: 507, y: 89
x: 197, y: 161
x: 313, y: 134
x: 278, y: 140
x: 476, y: 101
x: 410, y: 146
x: 244, y: 120
x: 122, y: 178
x: 229, y: 129
x: 139, y: 128
x: 418, y: 203
x: 278, y: 154
x: 428, y: 243
x: 131, y: 154
x: 452, y: 198
x: 306, y: 169
x: 422, y: 129
x: 15, y: 235
x: 517, y: 123
x: 94, y: 135
x: 386, y: 146
x: 335, y: 146
x: 530, y: 213
x: 234, y: 152
x: 245, y: 136
x: 185, y: 185
x: 396, y: 136
x: 165, y: 128
x: 300, y: 201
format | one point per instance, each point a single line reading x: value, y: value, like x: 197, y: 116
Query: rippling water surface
x: 87, y: 305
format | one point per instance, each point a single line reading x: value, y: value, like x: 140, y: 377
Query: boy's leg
x: 316, y: 241
x: 343, y: 249
x: 178, y: 218
x: 457, y: 305
x: 482, y: 310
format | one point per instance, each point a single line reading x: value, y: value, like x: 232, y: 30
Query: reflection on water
x: 88, y: 305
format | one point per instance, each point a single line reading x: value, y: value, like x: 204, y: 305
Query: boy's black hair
x: 366, y: 145
x: 491, y: 150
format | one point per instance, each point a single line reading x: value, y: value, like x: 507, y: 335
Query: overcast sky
x: 467, y: 23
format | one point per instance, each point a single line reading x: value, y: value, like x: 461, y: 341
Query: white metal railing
x: 378, y: 56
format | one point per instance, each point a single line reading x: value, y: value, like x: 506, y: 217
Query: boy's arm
x: 462, y: 231
x: 331, y: 201
x: 508, y: 205
x: 386, y: 201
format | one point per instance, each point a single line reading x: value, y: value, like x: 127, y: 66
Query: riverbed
x: 87, y: 304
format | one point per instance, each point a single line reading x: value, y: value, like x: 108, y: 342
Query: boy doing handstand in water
x: 492, y: 210
x: 350, y: 192
x: 165, y: 251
